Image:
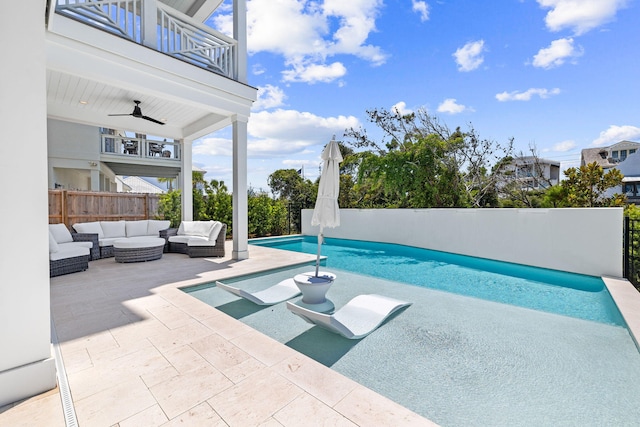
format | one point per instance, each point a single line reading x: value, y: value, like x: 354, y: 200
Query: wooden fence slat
x: 70, y: 207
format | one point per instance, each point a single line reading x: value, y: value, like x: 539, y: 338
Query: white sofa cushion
x: 89, y: 227
x: 195, y: 228
x: 215, y: 230
x: 60, y: 233
x: 179, y: 239
x: 155, y: 225
x: 192, y: 240
x: 53, y: 245
x: 108, y: 241
x: 69, y: 253
x: 113, y: 229
x: 200, y: 241
x: 136, y: 228
x: 67, y: 245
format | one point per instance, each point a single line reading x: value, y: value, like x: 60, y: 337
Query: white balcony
x: 159, y: 27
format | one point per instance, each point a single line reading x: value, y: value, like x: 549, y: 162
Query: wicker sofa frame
x: 94, y: 253
x: 68, y: 265
x: 196, y: 251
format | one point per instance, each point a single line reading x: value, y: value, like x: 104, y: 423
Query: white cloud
x: 451, y: 106
x: 469, y: 57
x: 257, y: 69
x: 269, y: 96
x: 285, y: 132
x: 421, y: 8
x: 564, y: 146
x: 279, y: 134
x: 212, y: 147
x: 527, y: 95
x: 580, y: 15
x: 305, y: 34
x: 313, y: 73
x: 616, y: 134
x: 401, y: 108
x: 556, y: 54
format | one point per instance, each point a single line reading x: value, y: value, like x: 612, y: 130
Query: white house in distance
x: 70, y: 65
x: 534, y: 173
x: 608, y: 157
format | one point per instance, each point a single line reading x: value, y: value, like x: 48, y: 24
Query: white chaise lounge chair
x: 357, y: 319
x: 283, y: 291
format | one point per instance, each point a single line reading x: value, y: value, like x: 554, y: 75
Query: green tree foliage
x: 170, y: 207
x: 420, y: 163
x: 266, y: 216
x: 587, y: 186
x: 295, y: 192
x: 218, y: 203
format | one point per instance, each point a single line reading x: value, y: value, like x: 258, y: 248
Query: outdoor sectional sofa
x: 194, y: 238
x: 107, y: 232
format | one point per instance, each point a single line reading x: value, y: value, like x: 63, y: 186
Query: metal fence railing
x: 632, y: 251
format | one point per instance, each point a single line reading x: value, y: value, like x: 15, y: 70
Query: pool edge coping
x: 627, y: 299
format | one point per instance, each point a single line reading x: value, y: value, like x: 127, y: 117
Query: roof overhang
x: 91, y: 74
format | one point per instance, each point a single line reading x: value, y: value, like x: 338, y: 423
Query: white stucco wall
x: 26, y: 365
x: 74, y: 158
x: 586, y: 241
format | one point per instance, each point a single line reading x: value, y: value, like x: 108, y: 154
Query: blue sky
x: 562, y: 75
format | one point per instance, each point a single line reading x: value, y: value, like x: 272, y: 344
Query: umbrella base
x: 314, y: 290
x: 324, y: 307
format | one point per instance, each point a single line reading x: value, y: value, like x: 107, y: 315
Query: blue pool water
x: 462, y: 360
x: 569, y: 294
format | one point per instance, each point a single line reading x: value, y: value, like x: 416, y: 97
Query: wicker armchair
x: 200, y: 251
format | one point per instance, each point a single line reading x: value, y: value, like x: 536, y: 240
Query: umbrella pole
x: 318, y: 257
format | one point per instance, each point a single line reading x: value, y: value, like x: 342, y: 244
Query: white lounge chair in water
x: 357, y: 319
x: 283, y: 291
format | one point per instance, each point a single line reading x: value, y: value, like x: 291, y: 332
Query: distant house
x: 534, y: 173
x: 630, y: 169
x: 608, y: 157
x: 136, y: 184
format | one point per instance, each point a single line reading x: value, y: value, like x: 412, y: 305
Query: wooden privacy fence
x: 70, y: 207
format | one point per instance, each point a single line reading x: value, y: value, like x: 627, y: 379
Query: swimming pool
x: 459, y: 360
x: 575, y: 295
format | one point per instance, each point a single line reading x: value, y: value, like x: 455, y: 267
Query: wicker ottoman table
x: 138, y: 249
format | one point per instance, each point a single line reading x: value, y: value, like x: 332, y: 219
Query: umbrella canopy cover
x: 326, y: 212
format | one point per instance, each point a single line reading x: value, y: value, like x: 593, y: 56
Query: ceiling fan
x: 137, y: 112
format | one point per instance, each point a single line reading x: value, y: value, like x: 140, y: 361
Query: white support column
x: 240, y: 203
x: 27, y: 367
x: 240, y: 35
x: 95, y: 180
x: 150, y: 23
x: 186, y: 178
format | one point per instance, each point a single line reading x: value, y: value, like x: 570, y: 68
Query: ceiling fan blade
x: 137, y: 113
x: 152, y: 120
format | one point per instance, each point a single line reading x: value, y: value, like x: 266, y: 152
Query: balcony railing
x: 139, y: 147
x: 155, y: 25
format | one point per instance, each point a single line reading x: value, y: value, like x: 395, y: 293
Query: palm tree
x: 168, y: 181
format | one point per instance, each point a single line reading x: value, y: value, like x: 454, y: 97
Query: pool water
x: 568, y: 294
x: 460, y: 360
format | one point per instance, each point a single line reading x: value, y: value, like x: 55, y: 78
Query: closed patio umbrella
x: 327, y: 212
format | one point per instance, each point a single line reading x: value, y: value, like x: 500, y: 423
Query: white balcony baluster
x: 159, y: 27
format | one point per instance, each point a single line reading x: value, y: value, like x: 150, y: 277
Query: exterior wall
x: 74, y: 156
x: 582, y: 240
x: 26, y: 365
